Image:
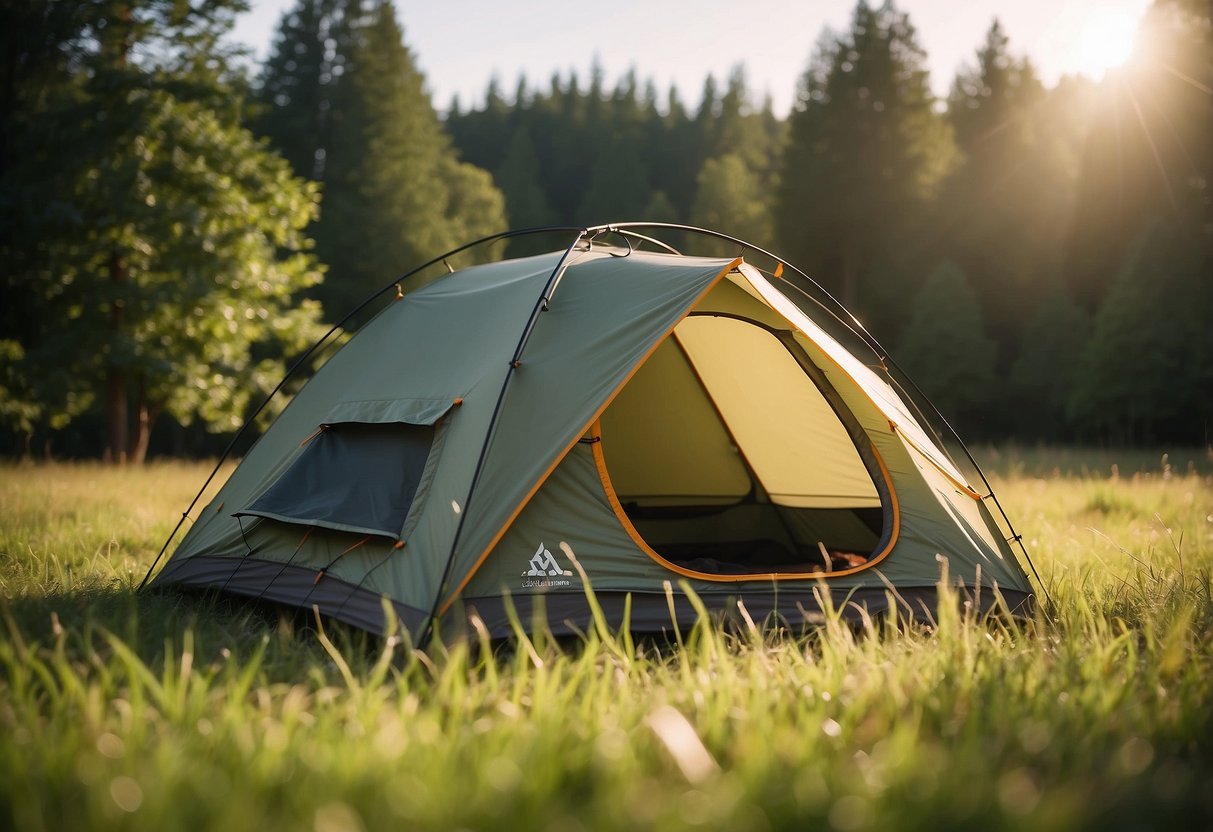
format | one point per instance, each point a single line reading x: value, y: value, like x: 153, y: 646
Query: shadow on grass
x: 159, y: 626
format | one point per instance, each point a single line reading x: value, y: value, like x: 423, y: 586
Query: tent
x: 623, y: 414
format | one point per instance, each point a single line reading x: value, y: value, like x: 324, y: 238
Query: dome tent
x: 658, y: 416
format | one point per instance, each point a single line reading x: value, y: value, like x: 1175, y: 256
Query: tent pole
x: 541, y: 305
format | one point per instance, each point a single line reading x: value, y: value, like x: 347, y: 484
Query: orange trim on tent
x: 593, y: 420
x: 642, y: 544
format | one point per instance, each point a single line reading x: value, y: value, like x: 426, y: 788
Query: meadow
x: 121, y: 710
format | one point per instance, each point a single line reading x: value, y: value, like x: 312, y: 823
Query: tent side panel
x: 439, y: 345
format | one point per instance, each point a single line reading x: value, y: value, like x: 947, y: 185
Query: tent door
x: 727, y: 458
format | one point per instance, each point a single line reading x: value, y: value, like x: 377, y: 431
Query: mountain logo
x: 544, y: 565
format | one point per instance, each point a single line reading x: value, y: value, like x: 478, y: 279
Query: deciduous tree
x: 154, y: 246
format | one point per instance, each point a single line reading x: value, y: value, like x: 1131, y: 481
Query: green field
x: 163, y: 712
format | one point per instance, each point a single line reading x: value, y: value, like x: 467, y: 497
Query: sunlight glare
x: 1106, y: 42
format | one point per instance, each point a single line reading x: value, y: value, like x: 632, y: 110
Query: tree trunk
x: 116, y: 44
x: 145, y: 417
x: 116, y: 418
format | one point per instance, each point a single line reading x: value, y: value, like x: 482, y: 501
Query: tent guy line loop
x: 669, y: 249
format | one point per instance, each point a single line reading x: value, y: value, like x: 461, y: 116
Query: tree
x: 618, y: 185
x: 731, y: 199
x: 1149, y: 150
x: 599, y: 156
x: 520, y: 180
x: 395, y: 192
x: 1141, y: 243
x: 1046, y: 367
x: 297, y: 82
x: 865, y: 152
x: 660, y: 209
x: 945, y: 348
x: 753, y: 135
x: 1147, y: 369
x: 153, y: 245
x: 1003, y: 210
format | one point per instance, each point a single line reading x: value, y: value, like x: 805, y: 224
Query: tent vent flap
x: 360, y: 471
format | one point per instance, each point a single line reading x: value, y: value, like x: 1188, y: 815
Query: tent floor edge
x: 569, y: 613
x: 289, y: 585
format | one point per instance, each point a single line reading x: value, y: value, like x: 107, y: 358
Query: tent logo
x: 545, y: 570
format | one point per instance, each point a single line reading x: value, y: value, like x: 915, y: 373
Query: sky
x: 460, y: 44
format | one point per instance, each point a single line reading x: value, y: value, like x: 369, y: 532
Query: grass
x: 125, y: 711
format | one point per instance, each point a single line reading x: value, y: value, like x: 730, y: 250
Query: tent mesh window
x: 728, y: 459
x: 351, y: 477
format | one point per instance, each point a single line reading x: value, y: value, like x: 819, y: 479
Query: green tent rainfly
x: 663, y: 417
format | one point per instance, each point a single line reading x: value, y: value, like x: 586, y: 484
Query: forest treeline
x: 174, y: 228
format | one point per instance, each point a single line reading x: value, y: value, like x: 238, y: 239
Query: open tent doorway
x: 728, y: 453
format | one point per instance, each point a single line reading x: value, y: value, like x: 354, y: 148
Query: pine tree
x: 520, y: 180
x: 945, y: 348
x: 395, y: 193
x: 660, y: 209
x: 1149, y: 150
x: 1003, y: 210
x: 618, y: 155
x: 865, y: 152
x: 1046, y: 368
x: 618, y: 184
x: 1141, y: 246
x: 297, y: 84
x: 678, y: 154
x: 731, y: 199
x: 1146, y: 371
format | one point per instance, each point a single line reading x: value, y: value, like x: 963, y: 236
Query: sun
x: 1105, y: 41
